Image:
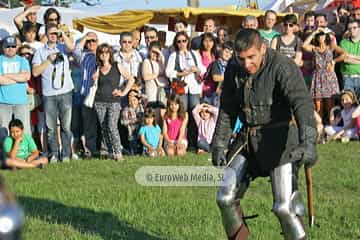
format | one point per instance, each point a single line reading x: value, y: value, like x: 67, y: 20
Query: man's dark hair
x: 16, y: 123
x: 353, y: 20
x: 228, y: 45
x: 270, y: 11
x: 125, y: 34
x: 50, y: 25
x: 309, y: 14
x: 320, y: 14
x: 290, y: 18
x: 246, y: 39
x: 150, y: 29
x: 181, y: 21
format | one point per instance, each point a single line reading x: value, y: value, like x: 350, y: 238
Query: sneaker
x: 104, y: 155
x: 87, y: 154
x: 66, y: 160
x: 54, y: 159
x: 118, y: 157
x: 74, y: 156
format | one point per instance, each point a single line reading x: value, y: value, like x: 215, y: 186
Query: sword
x: 310, y: 202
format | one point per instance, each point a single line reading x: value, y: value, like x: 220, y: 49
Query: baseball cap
x: 9, y: 41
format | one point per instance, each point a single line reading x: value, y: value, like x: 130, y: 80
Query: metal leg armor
x: 287, y: 202
x: 228, y: 197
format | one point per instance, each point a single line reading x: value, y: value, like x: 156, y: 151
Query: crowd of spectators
x: 154, y: 99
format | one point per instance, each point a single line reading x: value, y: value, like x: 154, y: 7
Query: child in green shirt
x: 20, y: 149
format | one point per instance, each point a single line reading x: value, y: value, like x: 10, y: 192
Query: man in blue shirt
x: 52, y: 63
x: 14, y: 73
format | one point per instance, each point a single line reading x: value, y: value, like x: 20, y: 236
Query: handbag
x: 34, y: 101
x: 90, y: 98
x: 178, y: 86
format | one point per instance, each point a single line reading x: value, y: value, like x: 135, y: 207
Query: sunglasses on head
x: 181, y: 41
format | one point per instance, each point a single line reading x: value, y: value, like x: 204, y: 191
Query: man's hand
x: 18, y: 139
x: 52, y: 57
x: 218, y: 157
x: 306, y: 152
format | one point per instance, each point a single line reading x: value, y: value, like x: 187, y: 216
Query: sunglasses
x: 150, y: 37
x: 104, y: 51
x: 126, y: 42
x: 54, y: 33
x: 25, y: 54
x: 288, y: 25
x: 53, y: 19
x: 91, y: 41
x: 182, y: 41
x: 11, y: 46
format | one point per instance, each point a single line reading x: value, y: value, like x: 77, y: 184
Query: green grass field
x: 97, y: 199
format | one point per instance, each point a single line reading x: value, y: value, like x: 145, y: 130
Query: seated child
x: 356, y: 116
x: 20, y: 148
x: 205, y: 116
x: 150, y: 135
x: 131, y: 117
x: 347, y: 130
x: 319, y: 128
x: 174, y: 127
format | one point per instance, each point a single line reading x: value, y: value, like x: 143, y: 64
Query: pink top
x: 173, y: 128
x: 205, y: 60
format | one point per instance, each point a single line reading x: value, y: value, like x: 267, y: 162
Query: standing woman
x: 324, y: 83
x: 186, y: 65
x: 153, y: 74
x: 208, y: 53
x: 288, y: 43
x: 52, y: 16
x: 107, y: 99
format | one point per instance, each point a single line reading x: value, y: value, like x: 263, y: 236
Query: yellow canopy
x: 129, y: 20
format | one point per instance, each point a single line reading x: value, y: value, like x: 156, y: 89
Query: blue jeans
x: 20, y: 111
x: 55, y: 107
x: 190, y: 101
x: 204, y: 145
x: 352, y: 83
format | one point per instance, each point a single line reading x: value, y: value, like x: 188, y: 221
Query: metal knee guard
x: 287, y: 202
x: 233, y: 188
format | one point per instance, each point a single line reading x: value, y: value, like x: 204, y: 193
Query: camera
x: 59, y: 58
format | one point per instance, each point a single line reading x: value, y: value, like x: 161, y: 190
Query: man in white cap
x: 14, y: 74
